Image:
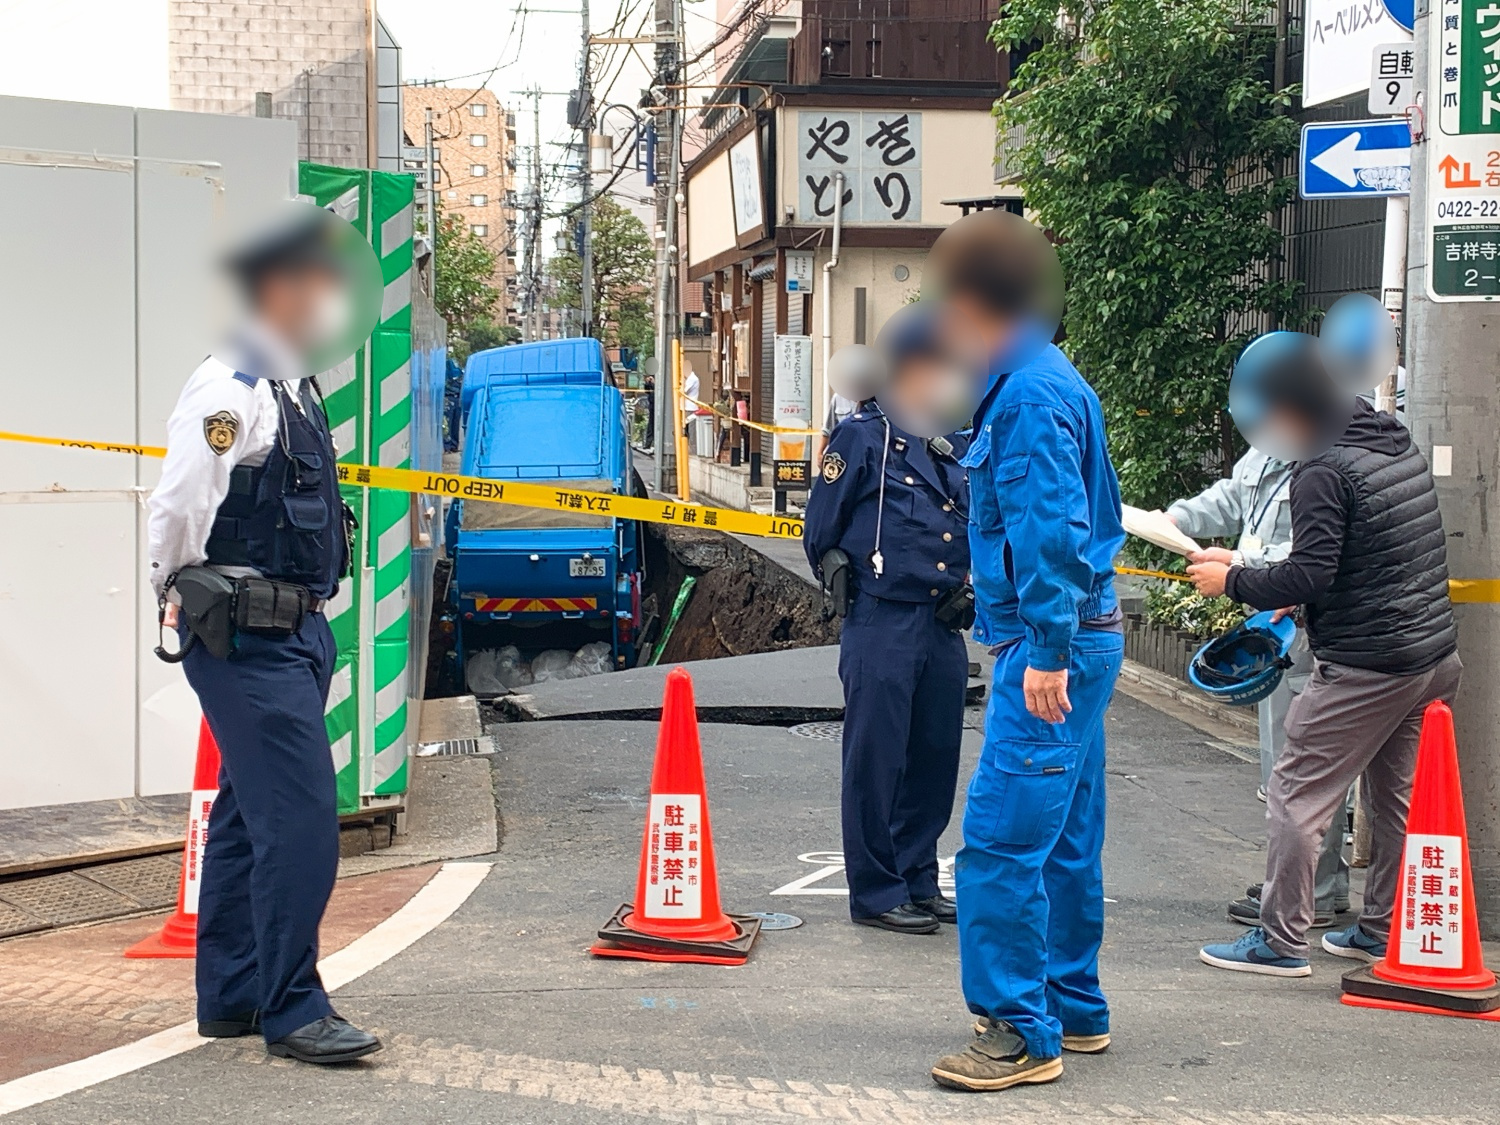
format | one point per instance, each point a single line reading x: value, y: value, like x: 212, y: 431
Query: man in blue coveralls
x: 1044, y: 530
x: 896, y: 505
x: 249, y: 488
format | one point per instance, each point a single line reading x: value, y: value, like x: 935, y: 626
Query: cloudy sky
x: 115, y: 51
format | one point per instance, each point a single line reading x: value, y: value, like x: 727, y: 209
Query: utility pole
x: 432, y: 191
x: 586, y: 185
x: 532, y: 263
x: 1451, y: 408
x: 668, y: 120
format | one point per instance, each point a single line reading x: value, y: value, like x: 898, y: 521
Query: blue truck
x: 546, y: 413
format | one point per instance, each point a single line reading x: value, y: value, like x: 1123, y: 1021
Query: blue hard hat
x: 1246, y: 663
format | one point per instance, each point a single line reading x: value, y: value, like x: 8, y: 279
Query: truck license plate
x: 585, y: 568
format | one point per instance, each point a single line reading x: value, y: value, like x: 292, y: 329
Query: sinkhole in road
x: 704, y: 596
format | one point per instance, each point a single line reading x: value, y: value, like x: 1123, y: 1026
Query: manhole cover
x: 825, y: 732
x: 454, y: 747
x: 770, y: 920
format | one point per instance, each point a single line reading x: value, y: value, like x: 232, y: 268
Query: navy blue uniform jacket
x: 923, y: 528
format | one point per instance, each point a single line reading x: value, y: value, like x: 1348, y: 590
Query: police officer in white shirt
x: 248, y: 510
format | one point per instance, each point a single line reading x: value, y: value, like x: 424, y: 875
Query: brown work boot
x: 995, y: 1060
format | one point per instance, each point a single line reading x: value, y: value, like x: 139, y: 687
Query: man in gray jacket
x: 1253, y: 505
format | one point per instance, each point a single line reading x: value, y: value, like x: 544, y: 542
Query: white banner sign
x: 1338, y: 37
x: 792, y: 400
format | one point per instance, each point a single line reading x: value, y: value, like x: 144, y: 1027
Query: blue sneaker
x: 1355, y: 944
x: 1251, y: 954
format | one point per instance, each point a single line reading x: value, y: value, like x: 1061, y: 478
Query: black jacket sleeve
x: 1321, y: 502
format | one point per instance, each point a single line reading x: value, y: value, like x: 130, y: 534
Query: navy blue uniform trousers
x: 273, y: 835
x: 904, y: 677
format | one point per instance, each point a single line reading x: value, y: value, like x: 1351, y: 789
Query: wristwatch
x: 1236, y: 558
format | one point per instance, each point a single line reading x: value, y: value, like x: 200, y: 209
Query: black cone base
x: 1363, y: 982
x: 616, y: 939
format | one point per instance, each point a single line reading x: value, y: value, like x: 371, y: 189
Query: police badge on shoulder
x: 220, y: 430
x: 833, y: 468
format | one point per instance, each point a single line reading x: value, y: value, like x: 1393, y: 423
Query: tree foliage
x: 1154, y: 151
x: 466, y: 293
x: 624, y: 266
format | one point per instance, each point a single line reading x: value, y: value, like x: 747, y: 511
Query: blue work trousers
x: 904, y: 677
x: 273, y: 835
x: 1029, y: 879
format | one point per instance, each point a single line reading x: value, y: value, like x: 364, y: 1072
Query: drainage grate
x: 13, y: 921
x: 454, y: 747
x: 825, y: 732
x: 65, y: 899
x: 151, y: 880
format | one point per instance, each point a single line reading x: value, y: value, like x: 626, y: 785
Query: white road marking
x: 444, y: 893
x: 833, y: 864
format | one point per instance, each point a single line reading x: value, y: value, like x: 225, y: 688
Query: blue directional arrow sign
x: 1404, y: 12
x: 1355, y: 159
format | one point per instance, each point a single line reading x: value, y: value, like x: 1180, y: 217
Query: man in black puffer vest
x: 1370, y: 567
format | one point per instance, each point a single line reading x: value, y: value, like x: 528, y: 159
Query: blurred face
x: 976, y: 333
x: 929, y: 396
x: 307, y: 306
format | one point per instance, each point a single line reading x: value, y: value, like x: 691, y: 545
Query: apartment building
x: 330, y: 66
x: 474, y: 146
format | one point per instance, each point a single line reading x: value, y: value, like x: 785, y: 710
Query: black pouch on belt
x: 207, y: 599
x: 955, y: 609
x: 270, y: 609
x: 833, y: 568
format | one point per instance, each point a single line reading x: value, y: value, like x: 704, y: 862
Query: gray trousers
x: 1331, y: 884
x: 1349, y: 723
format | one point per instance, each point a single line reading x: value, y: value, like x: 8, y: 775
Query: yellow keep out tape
x: 527, y: 495
x: 523, y: 494
x: 761, y: 426
x: 1152, y: 573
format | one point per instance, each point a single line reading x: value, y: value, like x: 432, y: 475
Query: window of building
x: 479, y: 169
x: 478, y: 140
x: 453, y: 195
x: 478, y: 109
x: 481, y: 229
x: 479, y: 200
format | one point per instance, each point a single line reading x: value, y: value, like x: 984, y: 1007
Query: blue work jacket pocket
x: 1012, y: 468
x: 1020, y: 792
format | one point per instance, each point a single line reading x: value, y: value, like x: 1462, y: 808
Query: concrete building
x: 474, y: 143
x: 897, y: 98
x: 330, y: 66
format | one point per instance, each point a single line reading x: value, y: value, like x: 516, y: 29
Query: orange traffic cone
x: 179, y: 933
x: 1433, y: 961
x: 676, y: 915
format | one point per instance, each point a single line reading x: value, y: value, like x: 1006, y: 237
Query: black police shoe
x: 940, y: 906
x: 903, y: 919
x: 231, y: 1027
x: 331, y: 1039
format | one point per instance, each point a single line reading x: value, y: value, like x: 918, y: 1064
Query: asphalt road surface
x: 499, y: 1014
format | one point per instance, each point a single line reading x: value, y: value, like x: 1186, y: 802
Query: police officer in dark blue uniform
x: 249, y: 502
x: 897, y: 506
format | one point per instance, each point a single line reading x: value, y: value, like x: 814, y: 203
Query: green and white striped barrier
x: 369, y: 410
